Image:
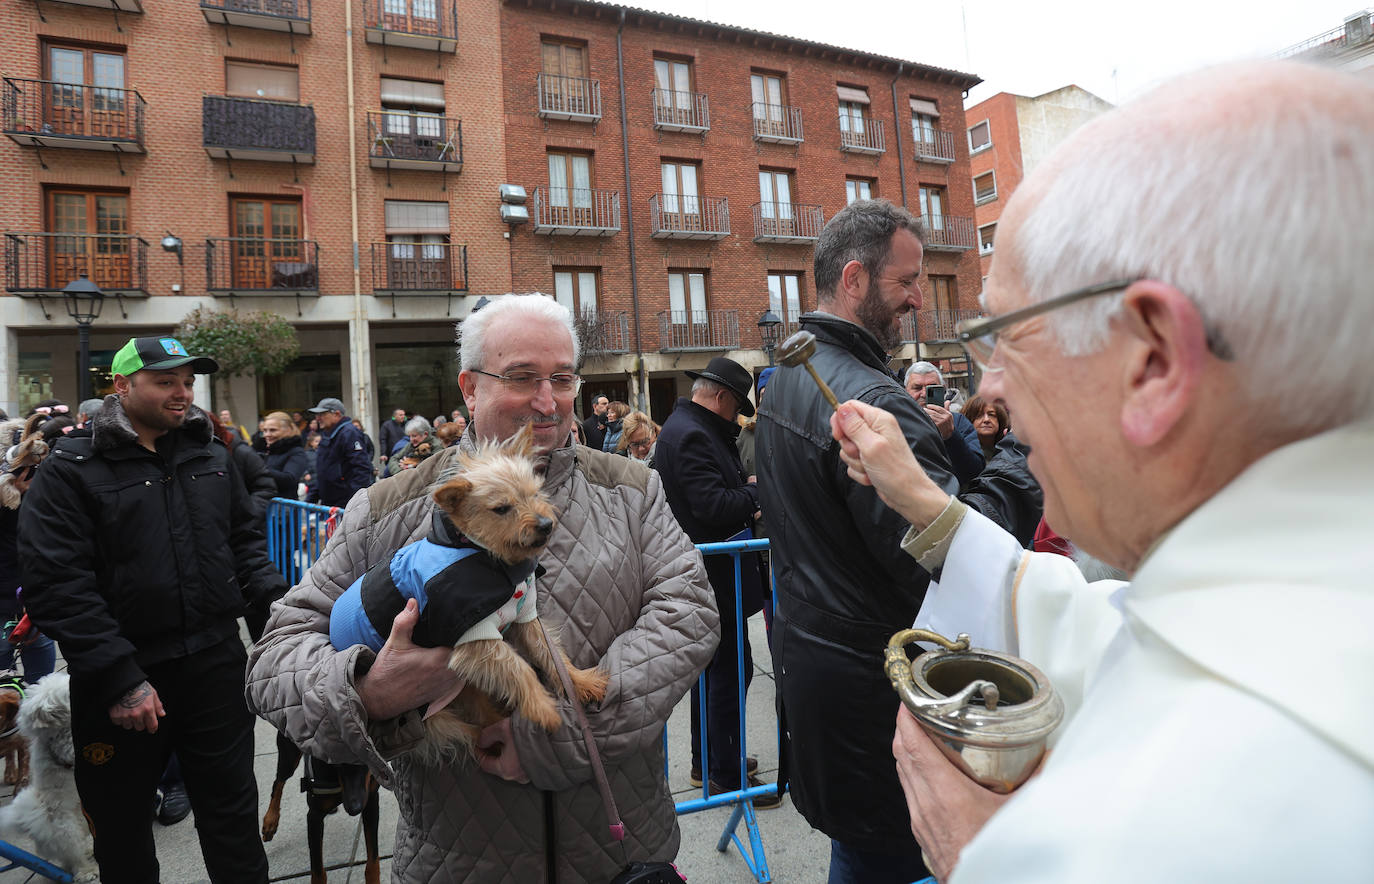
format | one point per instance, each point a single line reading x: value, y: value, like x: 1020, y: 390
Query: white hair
x: 709, y: 387
x: 418, y: 425
x: 1243, y: 187
x: 923, y: 368
x: 535, y: 306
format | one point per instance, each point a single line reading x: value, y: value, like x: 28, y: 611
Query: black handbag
x: 634, y: 872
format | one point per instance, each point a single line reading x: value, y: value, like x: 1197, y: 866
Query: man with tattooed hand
x: 138, y: 554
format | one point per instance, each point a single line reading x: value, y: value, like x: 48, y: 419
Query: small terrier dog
x: 13, y: 747
x: 474, y: 577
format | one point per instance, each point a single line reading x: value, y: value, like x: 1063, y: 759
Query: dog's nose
x: 543, y: 525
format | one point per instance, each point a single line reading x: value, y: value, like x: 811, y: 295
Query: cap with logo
x: 158, y: 354
x: 328, y: 403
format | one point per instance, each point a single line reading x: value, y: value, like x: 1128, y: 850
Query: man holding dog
x: 714, y: 500
x: 622, y: 584
x: 139, y: 552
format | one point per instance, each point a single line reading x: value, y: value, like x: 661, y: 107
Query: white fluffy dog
x: 49, y: 810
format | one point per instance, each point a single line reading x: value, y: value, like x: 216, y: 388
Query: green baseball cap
x: 158, y: 354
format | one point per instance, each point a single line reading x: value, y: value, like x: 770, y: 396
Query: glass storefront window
x: 306, y: 381
x: 421, y: 378
x: 35, y: 380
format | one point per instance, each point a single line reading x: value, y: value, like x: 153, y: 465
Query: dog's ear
x: 522, y: 443
x: 47, y: 705
x: 9, y: 708
x: 450, y: 495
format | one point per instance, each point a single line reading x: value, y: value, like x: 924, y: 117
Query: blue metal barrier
x: 297, y: 533
x: 742, y: 799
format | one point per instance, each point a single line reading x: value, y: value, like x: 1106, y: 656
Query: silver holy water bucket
x: 990, y: 713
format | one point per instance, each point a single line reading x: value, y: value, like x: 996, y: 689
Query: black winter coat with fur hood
x: 131, y: 558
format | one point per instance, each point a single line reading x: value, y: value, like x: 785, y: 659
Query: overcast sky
x: 1034, y: 46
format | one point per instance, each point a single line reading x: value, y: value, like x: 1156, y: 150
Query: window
x: 984, y: 188
x: 564, y: 64
x: 680, y: 188
x: 769, y: 93
x: 563, y: 59
x: 858, y: 189
x: 570, y: 187
x: 251, y: 80
x: 924, y: 115
x: 94, y: 240
x: 979, y: 137
x: 418, y: 108
x: 687, y: 297
x: 784, y: 296
x: 417, y: 235
x: 412, y: 16
x: 932, y: 207
x: 853, y: 109
x: 673, y: 99
x: 267, y: 241
x: 945, y: 296
x: 985, y: 235
x: 575, y: 288
x: 71, y: 107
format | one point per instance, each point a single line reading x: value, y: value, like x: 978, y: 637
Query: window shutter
x: 407, y: 216
x: 852, y: 95
x: 276, y: 82
x: 412, y: 93
x: 921, y: 106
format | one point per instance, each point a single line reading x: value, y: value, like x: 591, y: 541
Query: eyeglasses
x: 642, y: 443
x: 979, y: 336
x: 527, y: 382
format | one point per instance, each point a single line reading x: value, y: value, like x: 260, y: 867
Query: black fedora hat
x: 731, y: 375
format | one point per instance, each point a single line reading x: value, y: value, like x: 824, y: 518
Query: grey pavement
x: 793, y: 851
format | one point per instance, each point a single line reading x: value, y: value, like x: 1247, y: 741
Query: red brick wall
x: 1003, y: 157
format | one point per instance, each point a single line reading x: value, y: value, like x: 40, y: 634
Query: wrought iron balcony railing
x: 254, y: 129
x: 948, y: 233
x: 117, y: 6
x: 287, y: 16
x: 777, y: 123
x: 569, y: 98
x: 861, y: 134
x: 787, y: 222
x: 602, y: 332
x: 401, y: 140
x: 46, y: 113
x: 935, y: 146
x: 576, y: 211
x: 676, y: 216
x: 933, y: 326
x: 415, y: 24
x: 698, y: 330
x: 240, y: 264
x: 415, y: 268
x: 681, y: 111
x: 46, y: 262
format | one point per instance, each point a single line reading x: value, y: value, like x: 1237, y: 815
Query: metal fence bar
x: 297, y: 533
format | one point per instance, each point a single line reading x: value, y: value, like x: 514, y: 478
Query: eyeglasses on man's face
x: 527, y: 382
x: 979, y: 336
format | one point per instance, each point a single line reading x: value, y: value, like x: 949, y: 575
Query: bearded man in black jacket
x: 843, y: 583
x: 139, y: 550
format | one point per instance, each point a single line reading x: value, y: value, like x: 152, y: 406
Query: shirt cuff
x: 929, y: 547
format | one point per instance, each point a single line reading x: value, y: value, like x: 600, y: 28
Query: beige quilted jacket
x: 626, y: 590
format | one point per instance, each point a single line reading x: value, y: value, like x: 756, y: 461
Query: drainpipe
x: 359, y: 339
x: 896, y: 124
x: 642, y: 376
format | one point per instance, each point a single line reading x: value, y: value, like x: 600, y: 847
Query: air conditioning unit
x: 1357, y: 29
x: 514, y: 214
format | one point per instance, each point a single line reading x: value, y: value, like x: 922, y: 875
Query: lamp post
x: 770, y: 330
x: 84, y: 300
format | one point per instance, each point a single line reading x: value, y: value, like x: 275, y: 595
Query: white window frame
x: 986, y: 248
x: 973, y: 150
x: 977, y: 200
x: 784, y: 295
x: 688, y: 297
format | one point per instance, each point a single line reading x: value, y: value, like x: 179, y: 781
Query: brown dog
x: 13, y: 747
x: 497, y: 502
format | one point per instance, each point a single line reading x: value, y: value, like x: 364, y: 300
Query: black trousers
x: 210, y: 728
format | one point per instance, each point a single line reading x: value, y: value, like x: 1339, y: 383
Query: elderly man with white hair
x: 1220, y: 715
x: 956, y: 432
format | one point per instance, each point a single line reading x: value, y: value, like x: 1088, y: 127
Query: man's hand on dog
x: 496, y: 753
x: 405, y: 676
x: 139, y: 709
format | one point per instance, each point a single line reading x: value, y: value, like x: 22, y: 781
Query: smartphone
x: 935, y: 395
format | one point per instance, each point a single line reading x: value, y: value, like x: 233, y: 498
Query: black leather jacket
x: 131, y: 557
x: 844, y: 584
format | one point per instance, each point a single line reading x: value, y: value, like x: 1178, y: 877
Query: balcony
x: 672, y: 216
x: 576, y: 211
x: 254, y: 129
x: 43, y: 263
x: 410, y: 268
x: 933, y: 326
x: 777, y: 123
x: 948, y: 233
x: 45, y: 113
x: 116, y: 5
x: 680, y: 330
x: 414, y: 24
x: 239, y: 265
x: 861, y: 135
x: 681, y: 111
x: 569, y: 98
x: 286, y: 16
x: 787, y: 223
x: 414, y: 141
x: 602, y: 332
x: 939, y: 148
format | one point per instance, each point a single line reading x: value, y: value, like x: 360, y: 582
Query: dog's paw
x: 542, y: 710
x: 590, y: 684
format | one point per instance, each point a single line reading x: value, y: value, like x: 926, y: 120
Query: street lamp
x: 84, y: 300
x: 770, y: 330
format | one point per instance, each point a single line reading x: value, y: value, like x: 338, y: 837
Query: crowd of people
x: 1123, y: 409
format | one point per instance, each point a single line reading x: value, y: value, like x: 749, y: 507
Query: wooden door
x: 91, y: 237
x: 267, y: 249
x: 564, y: 66
x: 411, y: 16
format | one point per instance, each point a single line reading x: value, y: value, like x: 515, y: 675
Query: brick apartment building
x: 1008, y: 135
x: 1349, y: 47
x: 263, y: 143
